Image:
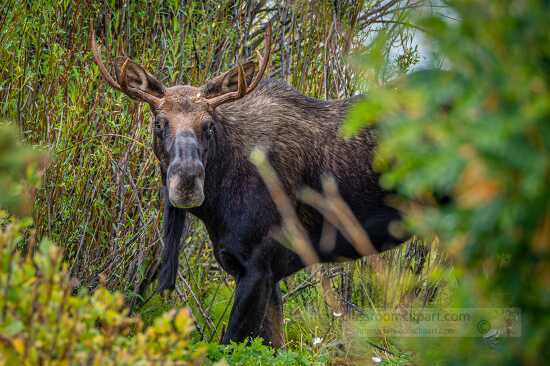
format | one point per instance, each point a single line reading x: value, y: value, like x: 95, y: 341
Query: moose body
x: 203, y: 138
x: 300, y: 137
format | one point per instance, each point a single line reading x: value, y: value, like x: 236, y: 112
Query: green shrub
x: 42, y: 322
x: 257, y: 354
x: 479, y: 133
x: 18, y: 171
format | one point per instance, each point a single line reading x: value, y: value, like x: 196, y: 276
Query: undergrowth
x: 42, y: 320
x: 99, y: 197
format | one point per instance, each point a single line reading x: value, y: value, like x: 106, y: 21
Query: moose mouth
x: 185, y: 198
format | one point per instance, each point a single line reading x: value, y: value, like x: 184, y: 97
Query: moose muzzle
x: 185, y: 176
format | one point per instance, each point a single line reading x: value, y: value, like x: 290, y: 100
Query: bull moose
x: 203, y: 137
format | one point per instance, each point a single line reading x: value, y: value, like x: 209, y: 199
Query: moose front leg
x: 272, y: 327
x: 252, y: 298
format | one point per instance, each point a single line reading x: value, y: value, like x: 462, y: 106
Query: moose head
x: 185, y: 123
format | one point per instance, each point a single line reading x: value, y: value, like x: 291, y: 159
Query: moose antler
x: 242, y: 88
x: 123, y: 86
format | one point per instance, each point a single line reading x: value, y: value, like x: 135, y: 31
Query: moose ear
x: 228, y: 82
x: 138, y: 78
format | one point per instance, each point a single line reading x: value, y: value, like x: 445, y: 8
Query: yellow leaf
x: 182, y: 321
x: 19, y: 345
x: 475, y: 188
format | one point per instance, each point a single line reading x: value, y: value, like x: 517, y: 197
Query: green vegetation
x: 19, y: 177
x: 479, y: 133
x: 256, y: 353
x: 475, y: 130
x: 43, y: 322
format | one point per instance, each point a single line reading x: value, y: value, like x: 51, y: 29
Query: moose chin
x: 203, y: 137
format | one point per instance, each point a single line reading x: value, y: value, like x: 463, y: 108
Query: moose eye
x: 158, y: 124
x: 209, y: 129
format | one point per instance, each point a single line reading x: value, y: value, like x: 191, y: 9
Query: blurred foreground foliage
x: 43, y: 323
x: 477, y: 131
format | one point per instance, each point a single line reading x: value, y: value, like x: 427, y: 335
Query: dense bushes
x: 43, y: 322
x: 479, y: 133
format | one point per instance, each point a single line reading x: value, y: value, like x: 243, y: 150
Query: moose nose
x: 183, y: 175
x: 185, y: 183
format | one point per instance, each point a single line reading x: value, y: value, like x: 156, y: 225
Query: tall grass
x: 395, y: 280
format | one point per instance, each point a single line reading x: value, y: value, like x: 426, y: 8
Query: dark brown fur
x: 303, y: 143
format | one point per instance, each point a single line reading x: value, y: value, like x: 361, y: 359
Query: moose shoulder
x: 203, y: 137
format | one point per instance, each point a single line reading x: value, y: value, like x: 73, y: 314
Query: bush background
x: 99, y: 197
